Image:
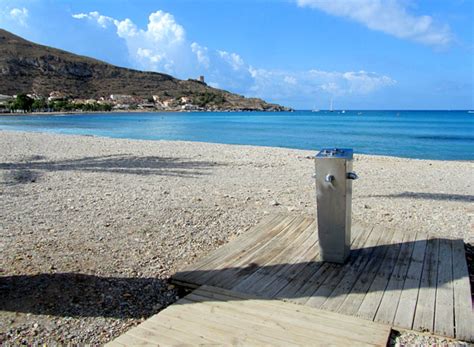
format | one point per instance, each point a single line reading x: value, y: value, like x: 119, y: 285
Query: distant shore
x: 56, y: 113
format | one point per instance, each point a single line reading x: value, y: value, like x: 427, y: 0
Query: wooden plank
x: 371, y: 302
x: 293, y: 266
x: 254, y: 237
x: 354, y: 299
x: 391, y: 296
x: 298, y: 328
x: 237, y: 253
x: 292, y: 316
x: 288, y: 289
x: 211, y: 326
x: 349, y: 278
x: 166, y: 335
x: 268, y: 270
x: 306, y: 286
x: 463, y: 312
x: 213, y: 294
x: 425, y: 307
x: 129, y: 340
x: 409, y: 294
x: 319, y: 297
x: 252, y: 261
x: 444, y: 311
x: 219, y: 327
x: 157, y: 337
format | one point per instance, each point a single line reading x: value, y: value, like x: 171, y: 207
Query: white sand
x: 133, y: 209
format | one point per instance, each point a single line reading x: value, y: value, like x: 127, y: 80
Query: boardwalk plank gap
x: 269, y: 286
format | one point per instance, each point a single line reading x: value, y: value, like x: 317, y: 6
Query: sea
x: 442, y: 135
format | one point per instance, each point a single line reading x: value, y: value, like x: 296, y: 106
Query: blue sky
x: 364, y: 54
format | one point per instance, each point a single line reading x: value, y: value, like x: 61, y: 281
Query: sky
x: 362, y: 54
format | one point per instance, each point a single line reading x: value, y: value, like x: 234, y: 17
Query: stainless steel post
x: 334, y: 195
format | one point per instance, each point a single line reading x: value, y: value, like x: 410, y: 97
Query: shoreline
x: 72, y: 113
x: 66, y: 113
x: 230, y: 144
x: 92, y: 227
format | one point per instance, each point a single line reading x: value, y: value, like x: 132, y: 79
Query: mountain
x: 27, y: 67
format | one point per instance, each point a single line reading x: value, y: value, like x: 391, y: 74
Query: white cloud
x: 201, y: 54
x: 233, y: 59
x: 309, y: 84
x: 159, y: 47
x: 290, y: 80
x: 103, y: 21
x: 163, y: 46
x: 388, y: 16
x: 365, y: 82
x: 19, y: 15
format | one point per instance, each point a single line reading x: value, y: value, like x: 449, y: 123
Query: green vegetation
x: 24, y: 103
x: 206, y: 98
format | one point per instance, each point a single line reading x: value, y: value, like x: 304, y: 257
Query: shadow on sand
x: 79, y: 295
x: 69, y: 294
x: 428, y: 196
x: 31, y: 169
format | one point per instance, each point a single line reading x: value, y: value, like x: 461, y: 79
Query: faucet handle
x: 329, y: 178
x: 352, y: 176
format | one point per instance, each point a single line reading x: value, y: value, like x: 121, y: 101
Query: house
x: 56, y: 95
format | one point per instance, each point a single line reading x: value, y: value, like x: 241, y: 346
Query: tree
x: 39, y: 105
x: 22, y: 102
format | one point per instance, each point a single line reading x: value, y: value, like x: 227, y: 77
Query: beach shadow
x: 317, y: 278
x: 80, y: 295
x: 30, y: 169
x: 428, y: 196
x: 69, y: 294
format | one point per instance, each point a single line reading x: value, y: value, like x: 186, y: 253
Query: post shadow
x: 79, y: 295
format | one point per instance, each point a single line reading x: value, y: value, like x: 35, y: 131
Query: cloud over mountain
x: 163, y: 46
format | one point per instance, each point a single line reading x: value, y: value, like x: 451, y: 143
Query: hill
x: 27, y: 67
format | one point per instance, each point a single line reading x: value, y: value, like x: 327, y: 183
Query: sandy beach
x: 93, y: 227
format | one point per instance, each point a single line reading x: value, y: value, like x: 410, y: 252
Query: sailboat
x: 330, y: 107
x: 314, y: 109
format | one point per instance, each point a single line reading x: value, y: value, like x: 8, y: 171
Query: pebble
x: 117, y: 284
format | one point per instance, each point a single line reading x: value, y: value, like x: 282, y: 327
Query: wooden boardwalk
x: 401, y: 278
x: 214, y: 316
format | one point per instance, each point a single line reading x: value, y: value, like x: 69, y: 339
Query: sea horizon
x: 417, y: 134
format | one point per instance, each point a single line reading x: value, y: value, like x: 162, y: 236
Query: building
x: 54, y: 96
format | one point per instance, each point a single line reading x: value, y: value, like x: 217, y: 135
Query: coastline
x: 123, y: 215
x: 70, y: 113
x: 66, y: 113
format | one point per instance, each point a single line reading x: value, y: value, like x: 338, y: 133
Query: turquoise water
x: 446, y: 135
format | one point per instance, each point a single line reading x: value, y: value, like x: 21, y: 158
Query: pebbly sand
x: 91, y: 228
